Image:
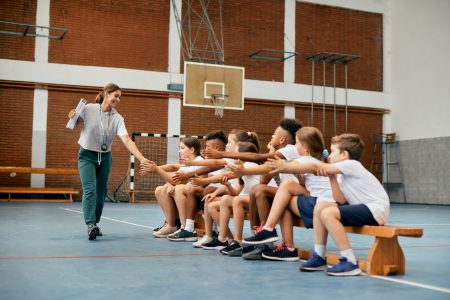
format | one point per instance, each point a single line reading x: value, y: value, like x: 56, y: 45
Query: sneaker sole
x: 266, y: 241
x: 355, y: 272
x: 280, y: 259
x: 191, y: 239
x: 214, y: 248
x: 312, y: 269
x: 161, y: 236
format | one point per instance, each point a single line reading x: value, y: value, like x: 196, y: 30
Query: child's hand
x: 225, y: 181
x: 200, y: 181
x: 300, y: 177
x: 171, y: 190
x: 275, y: 165
x: 187, y: 161
x: 271, y: 148
x: 209, y: 197
x: 237, y: 168
x: 211, y: 153
x: 147, y: 166
x: 180, y: 178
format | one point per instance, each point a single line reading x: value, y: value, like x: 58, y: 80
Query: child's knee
x: 328, y: 213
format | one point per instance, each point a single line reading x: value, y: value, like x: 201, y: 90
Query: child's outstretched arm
x: 150, y: 167
x: 246, y: 156
x: 216, y: 178
x: 204, y: 162
x: 320, y: 169
x: 182, y: 178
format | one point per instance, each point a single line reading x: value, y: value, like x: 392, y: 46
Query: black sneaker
x: 158, y: 228
x: 215, y: 244
x: 92, y: 231
x: 233, y: 245
x: 262, y: 237
x: 281, y: 252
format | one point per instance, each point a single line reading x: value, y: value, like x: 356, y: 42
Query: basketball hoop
x: 219, y: 101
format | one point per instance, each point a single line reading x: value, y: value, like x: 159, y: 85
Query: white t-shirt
x: 318, y: 186
x: 217, y: 172
x: 249, y: 180
x: 100, y: 127
x: 187, y: 169
x: 359, y: 186
x: 290, y: 153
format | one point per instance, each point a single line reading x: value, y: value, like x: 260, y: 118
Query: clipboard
x: 78, y: 110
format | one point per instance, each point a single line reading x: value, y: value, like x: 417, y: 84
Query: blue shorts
x: 356, y: 215
x: 305, y: 206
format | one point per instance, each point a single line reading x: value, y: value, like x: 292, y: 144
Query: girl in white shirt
x: 189, y: 147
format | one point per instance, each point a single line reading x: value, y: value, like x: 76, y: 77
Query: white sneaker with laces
x: 205, y: 239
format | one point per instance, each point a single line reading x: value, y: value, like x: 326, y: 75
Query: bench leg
x: 199, y: 224
x: 386, y: 257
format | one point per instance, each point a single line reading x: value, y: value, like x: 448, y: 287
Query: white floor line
x: 423, y: 224
x: 421, y: 285
x: 124, y: 222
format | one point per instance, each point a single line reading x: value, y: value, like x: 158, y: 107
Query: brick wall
x: 122, y: 34
x: 259, y: 118
x: 322, y: 28
x: 364, y: 123
x: 16, y: 125
x: 17, y: 47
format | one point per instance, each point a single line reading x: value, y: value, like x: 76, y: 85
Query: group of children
x: 231, y: 177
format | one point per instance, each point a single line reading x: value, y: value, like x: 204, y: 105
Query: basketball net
x: 219, y: 101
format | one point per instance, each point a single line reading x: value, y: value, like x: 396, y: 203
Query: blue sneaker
x: 262, y: 237
x: 314, y: 263
x: 344, y: 268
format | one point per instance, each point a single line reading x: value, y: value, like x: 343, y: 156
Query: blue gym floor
x: 45, y: 254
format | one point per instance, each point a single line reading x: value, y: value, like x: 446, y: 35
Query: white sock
x: 189, y: 225
x: 348, y: 254
x: 320, y: 250
x: 268, y: 228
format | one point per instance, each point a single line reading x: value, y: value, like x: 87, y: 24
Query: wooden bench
x: 385, y: 256
x: 70, y: 192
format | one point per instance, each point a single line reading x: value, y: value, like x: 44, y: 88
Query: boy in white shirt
x: 362, y: 201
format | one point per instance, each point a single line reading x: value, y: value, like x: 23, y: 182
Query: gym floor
x: 45, y: 254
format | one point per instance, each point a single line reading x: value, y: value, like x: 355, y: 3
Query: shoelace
x: 257, y: 229
x: 279, y: 247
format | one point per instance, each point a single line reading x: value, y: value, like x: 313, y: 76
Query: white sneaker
x: 205, y: 239
x: 165, y: 231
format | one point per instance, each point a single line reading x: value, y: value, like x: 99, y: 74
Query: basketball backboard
x: 201, y: 81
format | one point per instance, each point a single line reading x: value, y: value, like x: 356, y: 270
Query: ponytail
x: 109, y: 88
x: 246, y: 136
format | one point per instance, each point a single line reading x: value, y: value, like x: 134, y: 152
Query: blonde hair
x: 109, y: 88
